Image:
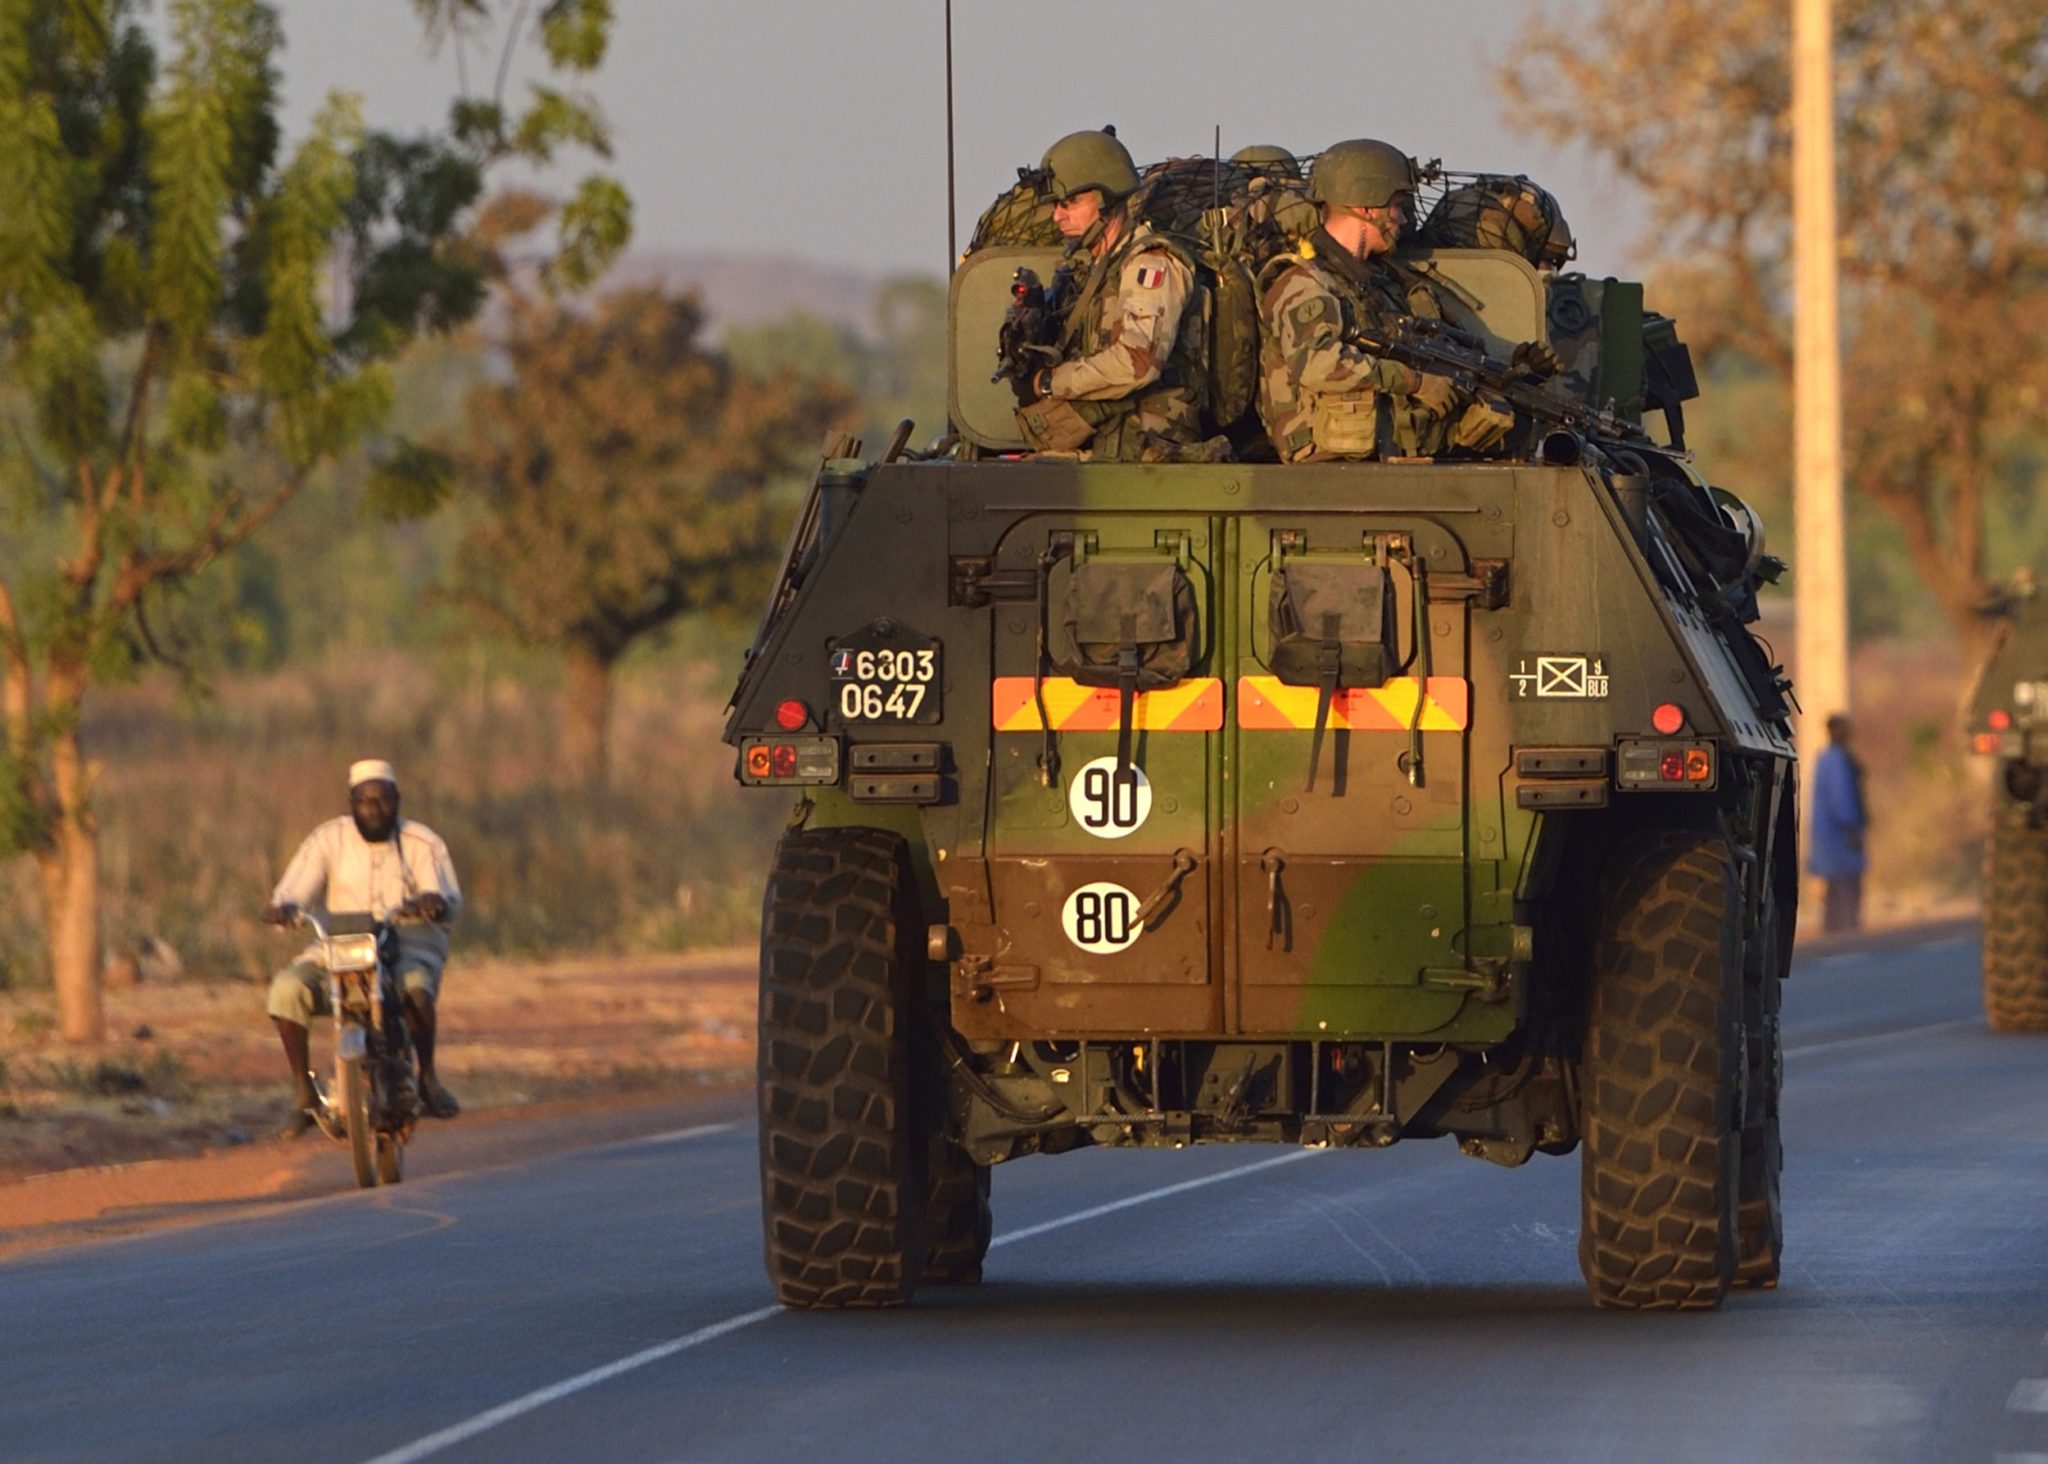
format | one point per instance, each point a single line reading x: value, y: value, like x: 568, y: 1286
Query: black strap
x: 1329, y: 666
x: 1049, y: 750
x: 1126, y: 691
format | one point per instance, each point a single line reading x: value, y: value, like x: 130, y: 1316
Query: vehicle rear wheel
x: 1664, y: 1065
x: 957, y: 1220
x: 355, y: 1107
x: 842, y: 1197
x: 2015, y: 920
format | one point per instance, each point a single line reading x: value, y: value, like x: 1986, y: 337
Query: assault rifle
x: 1442, y: 349
x: 1026, y: 344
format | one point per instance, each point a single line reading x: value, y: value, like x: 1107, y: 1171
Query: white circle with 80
x: 1101, y: 918
x: 1110, y: 801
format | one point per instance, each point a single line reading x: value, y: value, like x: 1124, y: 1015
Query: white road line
x: 2029, y: 1395
x: 671, y: 1137
x: 1811, y: 1047
x: 1098, y: 1211
x: 490, y: 1418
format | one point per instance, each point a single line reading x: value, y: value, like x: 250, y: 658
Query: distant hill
x: 752, y: 289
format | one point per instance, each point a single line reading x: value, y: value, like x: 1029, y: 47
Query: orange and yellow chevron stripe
x: 1195, y: 705
x: 1268, y: 703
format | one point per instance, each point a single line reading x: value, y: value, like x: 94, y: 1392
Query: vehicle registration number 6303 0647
x: 886, y: 672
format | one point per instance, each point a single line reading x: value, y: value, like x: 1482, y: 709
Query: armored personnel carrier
x: 2008, y: 721
x: 1337, y: 804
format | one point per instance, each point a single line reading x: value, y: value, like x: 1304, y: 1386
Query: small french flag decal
x: 1151, y: 277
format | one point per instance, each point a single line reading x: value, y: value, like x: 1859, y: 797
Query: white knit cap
x: 370, y: 770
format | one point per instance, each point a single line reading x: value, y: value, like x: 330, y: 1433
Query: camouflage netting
x: 1495, y: 211
x: 1255, y: 211
x: 1021, y: 217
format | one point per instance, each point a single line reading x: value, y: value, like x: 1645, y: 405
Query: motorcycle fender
x: 353, y: 1043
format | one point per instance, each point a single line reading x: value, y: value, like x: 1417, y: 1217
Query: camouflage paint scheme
x: 2007, y: 709
x: 1416, y: 916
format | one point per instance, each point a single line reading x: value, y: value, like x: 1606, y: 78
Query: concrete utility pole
x: 1820, y: 577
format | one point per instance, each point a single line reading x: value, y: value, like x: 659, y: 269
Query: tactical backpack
x: 1501, y: 211
x: 1192, y: 201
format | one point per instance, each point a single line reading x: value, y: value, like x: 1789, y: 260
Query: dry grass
x: 201, y: 806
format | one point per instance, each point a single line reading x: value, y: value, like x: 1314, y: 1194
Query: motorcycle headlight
x: 352, y: 953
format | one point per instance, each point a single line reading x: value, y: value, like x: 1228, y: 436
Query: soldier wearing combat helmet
x: 1266, y: 160
x: 1323, y: 395
x: 1125, y: 386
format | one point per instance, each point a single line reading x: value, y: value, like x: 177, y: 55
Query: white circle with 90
x: 1110, y: 801
x: 1101, y: 918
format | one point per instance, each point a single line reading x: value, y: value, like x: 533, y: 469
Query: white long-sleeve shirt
x: 338, y: 869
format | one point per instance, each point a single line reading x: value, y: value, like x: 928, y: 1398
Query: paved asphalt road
x: 1220, y: 1304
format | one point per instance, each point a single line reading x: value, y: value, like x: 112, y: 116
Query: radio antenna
x: 952, y: 208
x: 1216, y: 179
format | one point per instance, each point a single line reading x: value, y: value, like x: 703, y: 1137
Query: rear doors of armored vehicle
x: 1349, y: 845
x: 1109, y: 822
x: 1205, y: 878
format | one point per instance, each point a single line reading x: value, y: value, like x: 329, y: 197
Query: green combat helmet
x: 1265, y: 158
x: 1361, y: 173
x: 1084, y: 160
x: 1501, y: 212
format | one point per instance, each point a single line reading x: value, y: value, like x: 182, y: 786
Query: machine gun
x: 1442, y: 349
x: 1027, y: 342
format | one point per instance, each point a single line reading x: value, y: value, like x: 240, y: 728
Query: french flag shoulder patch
x: 1150, y: 276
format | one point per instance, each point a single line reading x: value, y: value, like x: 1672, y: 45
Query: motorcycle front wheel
x: 362, y: 1139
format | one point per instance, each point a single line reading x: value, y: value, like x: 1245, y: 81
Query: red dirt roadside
x: 171, y: 1122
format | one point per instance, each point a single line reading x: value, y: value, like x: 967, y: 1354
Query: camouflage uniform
x: 1320, y: 395
x: 1131, y: 359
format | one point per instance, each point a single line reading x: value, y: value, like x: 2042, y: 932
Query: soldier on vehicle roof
x: 1125, y: 387
x: 1321, y: 393
x: 1265, y: 159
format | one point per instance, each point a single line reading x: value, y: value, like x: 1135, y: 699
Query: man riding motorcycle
x: 369, y: 860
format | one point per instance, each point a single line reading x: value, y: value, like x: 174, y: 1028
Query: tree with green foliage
x: 897, y: 367
x: 1943, y: 156
x: 194, y: 320
x: 622, y: 476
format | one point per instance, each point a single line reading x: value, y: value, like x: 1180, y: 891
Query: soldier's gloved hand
x: 1435, y: 394
x: 429, y: 905
x: 1536, y: 359
x: 280, y: 914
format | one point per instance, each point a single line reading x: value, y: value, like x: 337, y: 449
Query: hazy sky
x: 817, y: 127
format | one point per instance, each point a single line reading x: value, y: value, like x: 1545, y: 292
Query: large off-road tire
x: 1663, y: 1076
x: 2015, y: 920
x: 957, y: 1220
x: 842, y: 1198
x: 355, y: 1111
